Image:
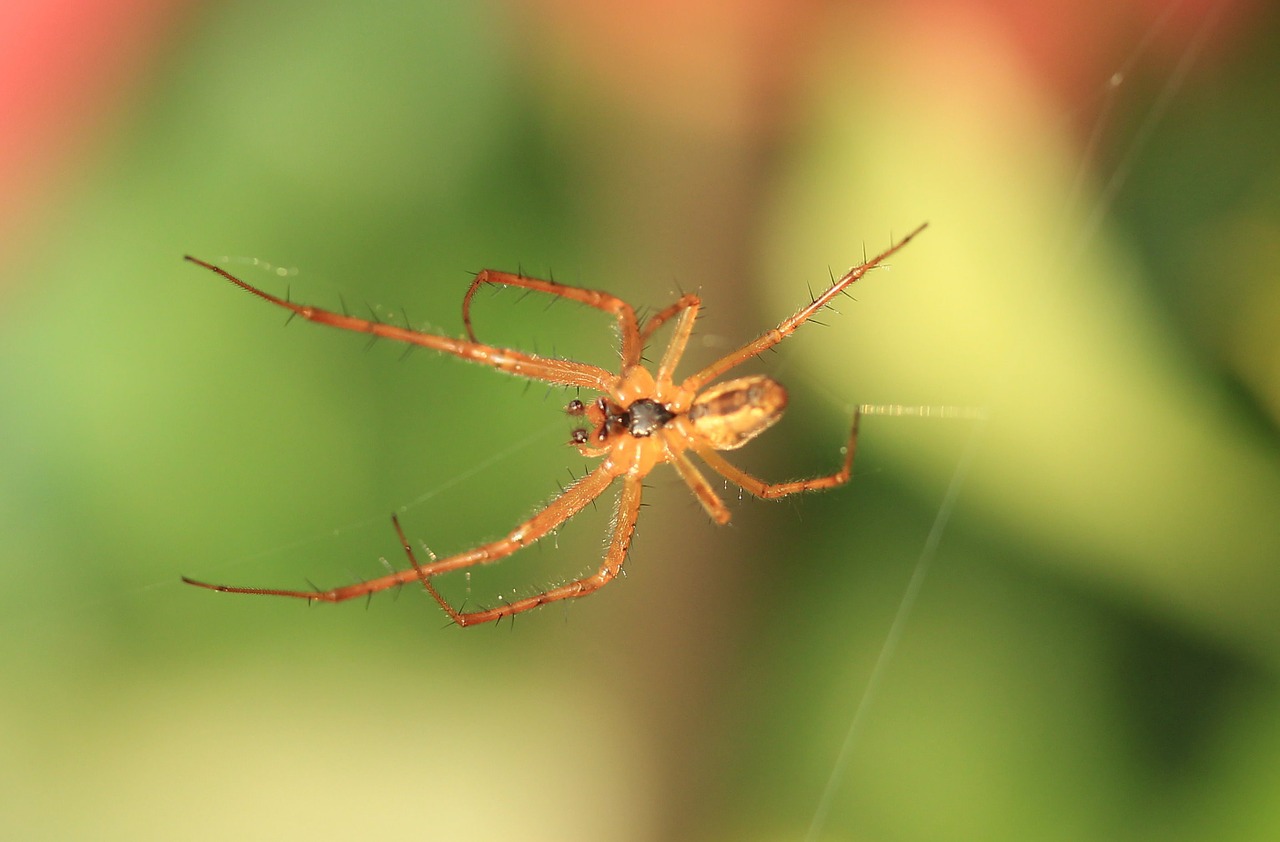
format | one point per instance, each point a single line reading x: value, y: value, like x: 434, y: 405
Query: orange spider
x: 639, y: 421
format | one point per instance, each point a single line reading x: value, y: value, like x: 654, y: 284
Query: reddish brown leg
x: 658, y: 319
x: 626, y: 316
x: 698, y: 484
x: 774, y: 490
x: 573, y: 500
x: 786, y: 328
x: 531, y: 366
x: 688, y: 307
x: 624, y: 527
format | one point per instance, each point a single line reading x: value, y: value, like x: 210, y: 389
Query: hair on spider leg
x: 362, y: 580
x: 310, y: 600
x: 449, y: 622
x: 553, y: 301
x: 796, y: 510
x: 502, y: 600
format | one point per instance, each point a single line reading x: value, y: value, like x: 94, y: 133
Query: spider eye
x: 575, y: 407
x: 578, y: 436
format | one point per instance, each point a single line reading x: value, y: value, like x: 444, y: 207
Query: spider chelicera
x: 640, y: 420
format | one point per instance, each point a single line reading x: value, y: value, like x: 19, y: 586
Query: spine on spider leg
x: 853, y: 275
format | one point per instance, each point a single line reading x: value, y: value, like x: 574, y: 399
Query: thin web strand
x: 1106, y: 198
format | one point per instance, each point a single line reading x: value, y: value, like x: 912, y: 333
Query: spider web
x: 1073, y: 241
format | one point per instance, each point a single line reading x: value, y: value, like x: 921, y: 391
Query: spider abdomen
x: 730, y: 414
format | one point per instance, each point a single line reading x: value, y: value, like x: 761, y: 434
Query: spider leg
x: 627, y: 322
x: 574, y: 499
x: 774, y: 490
x: 664, y: 315
x: 687, y: 306
x: 698, y: 484
x: 787, y: 327
x: 623, y: 528
x: 530, y: 366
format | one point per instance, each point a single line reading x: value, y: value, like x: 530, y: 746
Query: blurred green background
x: 1095, y: 648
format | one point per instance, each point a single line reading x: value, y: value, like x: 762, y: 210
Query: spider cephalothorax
x: 640, y: 420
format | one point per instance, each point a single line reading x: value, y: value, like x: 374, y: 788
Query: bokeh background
x: 1095, y: 647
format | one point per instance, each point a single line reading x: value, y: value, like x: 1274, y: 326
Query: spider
x: 640, y: 420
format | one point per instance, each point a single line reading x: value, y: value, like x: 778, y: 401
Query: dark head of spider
x: 642, y: 418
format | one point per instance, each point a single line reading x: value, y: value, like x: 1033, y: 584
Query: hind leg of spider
x: 624, y: 528
x: 773, y: 490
